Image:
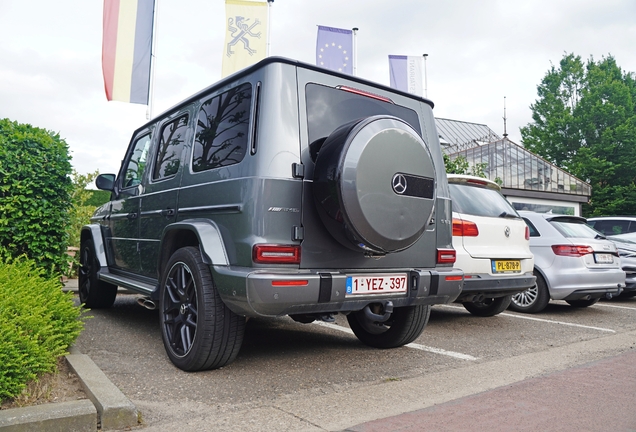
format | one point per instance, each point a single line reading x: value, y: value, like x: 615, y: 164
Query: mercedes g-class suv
x: 284, y: 189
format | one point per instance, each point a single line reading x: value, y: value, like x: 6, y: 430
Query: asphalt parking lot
x: 292, y: 376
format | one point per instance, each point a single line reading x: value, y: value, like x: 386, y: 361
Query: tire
x: 582, y: 303
x: 533, y: 299
x: 93, y: 293
x: 489, y: 307
x: 403, y: 327
x: 199, y: 332
x: 374, y: 185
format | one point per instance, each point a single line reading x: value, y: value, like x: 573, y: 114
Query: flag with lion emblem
x: 245, y: 34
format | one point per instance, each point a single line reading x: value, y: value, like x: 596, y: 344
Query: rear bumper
x: 251, y: 293
x: 495, y: 286
x: 575, y: 284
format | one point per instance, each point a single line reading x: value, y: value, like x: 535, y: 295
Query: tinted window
x: 611, y: 227
x: 137, y: 162
x: 572, y: 228
x: 222, y: 129
x: 479, y: 201
x: 328, y: 108
x: 171, y: 143
x: 532, y: 228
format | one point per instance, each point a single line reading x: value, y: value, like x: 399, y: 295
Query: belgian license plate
x: 377, y: 284
x: 506, y: 266
x: 602, y: 258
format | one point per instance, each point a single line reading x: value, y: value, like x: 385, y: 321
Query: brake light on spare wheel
x: 276, y: 254
x: 462, y: 228
x: 446, y: 256
x: 572, y: 250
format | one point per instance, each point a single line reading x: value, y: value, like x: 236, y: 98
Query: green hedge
x: 35, y: 194
x: 38, y: 322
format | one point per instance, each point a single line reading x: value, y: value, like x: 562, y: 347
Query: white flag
x: 406, y: 73
x: 245, y: 34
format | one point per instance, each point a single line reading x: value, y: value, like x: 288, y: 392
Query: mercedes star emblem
x: 507, y: 231
x: 399, y: 184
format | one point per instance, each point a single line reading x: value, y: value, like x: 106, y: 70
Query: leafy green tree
x: 81, y: 210
x: 584, y: 121
x: 460, y: 165
x: 35, y: 194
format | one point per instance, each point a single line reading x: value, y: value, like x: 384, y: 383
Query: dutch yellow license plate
x: 506, y: 266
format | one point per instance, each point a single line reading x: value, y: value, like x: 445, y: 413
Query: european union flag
x: 334, y: 49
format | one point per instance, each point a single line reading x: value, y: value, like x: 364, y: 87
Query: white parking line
x: 411, y: 345
x: 544, y: 320
x: 614, y: 306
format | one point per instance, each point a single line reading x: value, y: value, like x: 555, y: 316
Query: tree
x: 459, y: 165
x: 584, y: 121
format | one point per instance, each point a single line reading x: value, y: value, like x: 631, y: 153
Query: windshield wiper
x: 508, y: 215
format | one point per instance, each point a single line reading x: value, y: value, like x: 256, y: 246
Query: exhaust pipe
x: 147, y: 303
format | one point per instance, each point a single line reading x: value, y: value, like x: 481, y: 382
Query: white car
x: 492, y: 245
x: 573, y: 262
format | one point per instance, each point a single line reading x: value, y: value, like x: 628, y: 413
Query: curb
x: 106, y: 409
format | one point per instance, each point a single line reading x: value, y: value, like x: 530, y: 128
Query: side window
x: 612, y: 227
x: 171, y: 143
x: 221, y: 137
x: 137, y: 163
x: 533, y: 229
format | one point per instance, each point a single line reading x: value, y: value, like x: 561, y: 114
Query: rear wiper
x: 600, y: 236
x: 508, y: 215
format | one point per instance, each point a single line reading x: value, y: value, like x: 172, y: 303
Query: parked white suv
x: 492, y: 244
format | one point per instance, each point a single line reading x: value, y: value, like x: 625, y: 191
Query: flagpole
x: 151, y: 88
x: 355, y: 49
x: 425, y: 77
x: 269, y: 24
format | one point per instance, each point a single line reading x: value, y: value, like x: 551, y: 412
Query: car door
x: 124, y: 217
x: 158, y: 202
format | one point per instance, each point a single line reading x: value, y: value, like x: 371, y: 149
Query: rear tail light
x: 446, y: 256
x: 572, y: 250
x: 527, y: 233
x: 463, y: 228
x: 276, y: 254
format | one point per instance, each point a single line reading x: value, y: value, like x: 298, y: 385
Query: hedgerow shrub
x: 35, y: 194
x: 38, y: 322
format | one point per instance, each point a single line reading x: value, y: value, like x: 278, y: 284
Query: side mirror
x: 105, y: 182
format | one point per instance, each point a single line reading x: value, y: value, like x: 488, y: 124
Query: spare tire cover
x: 374, y: 185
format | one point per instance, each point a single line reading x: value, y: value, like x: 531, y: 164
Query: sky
x: 478, y: 53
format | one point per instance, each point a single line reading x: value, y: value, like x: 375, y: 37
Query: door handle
x: 167, y: 212
x: 132, y: 216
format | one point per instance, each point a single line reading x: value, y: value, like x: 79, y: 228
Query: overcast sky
x: 478, y: 52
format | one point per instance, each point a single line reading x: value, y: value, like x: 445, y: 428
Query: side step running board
x: 124, y: 282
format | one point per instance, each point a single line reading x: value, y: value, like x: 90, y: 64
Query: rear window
x: 479, y: 201
x: 612, y: 226
x: 328, y: 108
x: 574, y: 229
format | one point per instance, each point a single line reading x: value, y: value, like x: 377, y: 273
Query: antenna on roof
x: 505, y: 134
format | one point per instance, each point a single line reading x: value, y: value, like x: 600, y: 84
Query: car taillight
x: 365, y: 93
x: 527, y: 233
x: 572, y: 250
x: 462, y: 228
x: 446, y: 256
x: 276, y: 254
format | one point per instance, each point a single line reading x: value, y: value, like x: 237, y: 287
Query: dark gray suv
x: 284, y: 189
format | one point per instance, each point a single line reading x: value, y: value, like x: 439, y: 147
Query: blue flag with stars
x: 334, y: 49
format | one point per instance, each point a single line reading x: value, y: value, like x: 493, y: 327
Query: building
x: 528, y: 181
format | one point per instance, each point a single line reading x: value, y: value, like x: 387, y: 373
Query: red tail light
x: 276, y: 254
x: 462, y: 228
x: 446, y: 256
x: 527, y: 233
x: 572, y: 250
